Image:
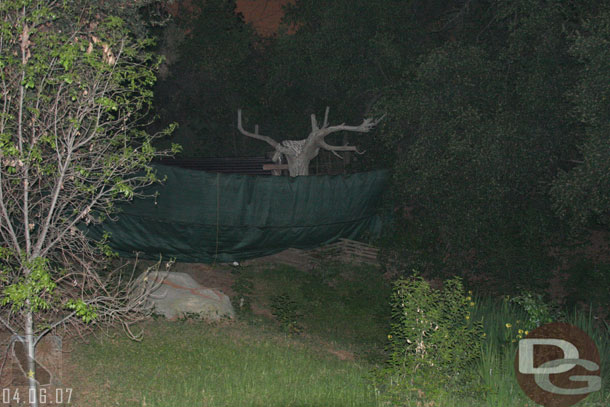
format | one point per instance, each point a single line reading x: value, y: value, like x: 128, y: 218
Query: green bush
x: 287, y: 313
x: 539, y: 311
x: 432, y: 343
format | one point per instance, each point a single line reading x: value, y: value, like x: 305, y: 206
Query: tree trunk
x: 30, y: 346
x: 299, y: 153
x: 298, y: 165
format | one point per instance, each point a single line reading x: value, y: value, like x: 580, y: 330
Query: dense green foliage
x: 496, y: 128
x: 213, y: 72
x: 433, y: 342
x: 486, y: 124
x: 582, y: 194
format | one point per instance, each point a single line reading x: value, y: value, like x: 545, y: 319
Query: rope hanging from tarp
x: 217, y: 215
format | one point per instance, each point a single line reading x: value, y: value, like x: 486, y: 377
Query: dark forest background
x: 497, y: 129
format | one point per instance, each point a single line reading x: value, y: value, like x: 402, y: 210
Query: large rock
x: 179, y: 295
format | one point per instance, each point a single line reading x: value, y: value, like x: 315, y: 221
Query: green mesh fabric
x: 207, y: 217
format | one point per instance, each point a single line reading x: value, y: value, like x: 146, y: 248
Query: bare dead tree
x: 299, y: 153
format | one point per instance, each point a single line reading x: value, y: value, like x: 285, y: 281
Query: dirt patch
x: 342, y: 354
x: 261, y: 311
x: 210, y: 276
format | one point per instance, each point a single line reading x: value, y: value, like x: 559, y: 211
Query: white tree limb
x: 299, y: 153
x: 255, y: 135
x: 334, y: 149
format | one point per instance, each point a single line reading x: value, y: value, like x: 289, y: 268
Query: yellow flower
x: 469, y: 298
x: 484, y: 334
x: 472, y: 304
x: 526, y: 332
x: 508, y: 325
x: 519, y: 336
x: 469, y: 292
x: 467, y: 316
x: 389, y: 336
x: 520, y: 331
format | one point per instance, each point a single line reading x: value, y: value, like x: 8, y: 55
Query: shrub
x: 432, y: 343
x: 286, y: 311
x: 539, y: 312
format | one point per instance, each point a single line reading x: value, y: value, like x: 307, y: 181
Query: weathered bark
x: 299, y: 153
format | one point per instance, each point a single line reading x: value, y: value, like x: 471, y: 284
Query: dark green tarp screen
x: 206, y: 217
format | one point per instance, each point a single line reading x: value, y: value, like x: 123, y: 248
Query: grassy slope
x: 254, y: 362
x: 195, y: 364
x: 346, y: 306
x: 342, y: 315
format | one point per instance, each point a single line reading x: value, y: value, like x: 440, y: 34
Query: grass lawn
x: 260, y: 360
x: 301, y: 339
x: 194, y: 364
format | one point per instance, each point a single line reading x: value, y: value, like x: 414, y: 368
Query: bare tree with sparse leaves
x: 75, y: 89
x: 299, y: 153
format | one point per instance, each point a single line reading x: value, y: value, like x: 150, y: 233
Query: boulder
x: 180, y: 295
